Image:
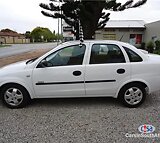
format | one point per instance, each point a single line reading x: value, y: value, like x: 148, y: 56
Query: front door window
x: 72, y: 55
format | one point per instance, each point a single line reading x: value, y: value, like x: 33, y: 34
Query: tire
x: 15, y: 96
x: 132, y: 95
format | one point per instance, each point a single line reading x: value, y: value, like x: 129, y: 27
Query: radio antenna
x: 81, y: 37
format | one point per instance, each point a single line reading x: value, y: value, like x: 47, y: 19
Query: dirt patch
x: 21, y: 57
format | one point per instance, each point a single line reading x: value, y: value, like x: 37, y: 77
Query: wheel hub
x: 13, y: 96
x: 133, y: 95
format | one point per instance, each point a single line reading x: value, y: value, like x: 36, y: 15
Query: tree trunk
x: 88, y: 30
x: 90, y: 18
x: 77, y: 31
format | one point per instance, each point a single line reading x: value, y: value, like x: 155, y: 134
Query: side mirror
x: 43, y: 64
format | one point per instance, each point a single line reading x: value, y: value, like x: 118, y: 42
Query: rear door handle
x: 77, y: 73
x: 121, y: 71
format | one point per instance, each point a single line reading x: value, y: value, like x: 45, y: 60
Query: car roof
x: 98, y: 41
x: 101, y: 41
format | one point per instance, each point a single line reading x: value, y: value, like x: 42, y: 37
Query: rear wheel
x: 15, y: 96
x: 132, y: 95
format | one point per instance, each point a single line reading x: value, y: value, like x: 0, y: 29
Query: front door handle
x: 77, y: 73
x: 121, y: 71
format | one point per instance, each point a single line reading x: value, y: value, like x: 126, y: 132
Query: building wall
x: 18, y: 40
x: 9, y: 39
x: 13, y: 40
x: 152, y: 31
x: 118, y: 34
x: 27, y: 40
x: 2, y: 40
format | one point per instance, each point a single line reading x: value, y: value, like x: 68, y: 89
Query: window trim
x: 122, y: 51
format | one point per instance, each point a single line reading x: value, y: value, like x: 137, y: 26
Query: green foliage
x: 3, y: 46
x: 150, y: 46
x: 40, y: 34
x: 28, y: 34
x: 156, y: 52
x: 93, y: 15
x: 157, y: 43
x: 58, y: 37
x: 143, y: 44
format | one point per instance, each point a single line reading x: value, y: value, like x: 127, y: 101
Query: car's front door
x: 106, y: 71
x: 61, y: 73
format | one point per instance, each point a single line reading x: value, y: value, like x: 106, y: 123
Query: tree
x: 40, y: 34
x: 28, y: 34
x: 150, y: 46
x: 157, y: 44
x: 91, y: 14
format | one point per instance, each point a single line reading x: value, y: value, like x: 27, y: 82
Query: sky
x: 25, y: 15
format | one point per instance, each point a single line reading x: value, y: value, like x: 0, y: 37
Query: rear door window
x: 105, y: 54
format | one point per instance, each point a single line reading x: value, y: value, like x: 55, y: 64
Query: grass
x: 2, y: 46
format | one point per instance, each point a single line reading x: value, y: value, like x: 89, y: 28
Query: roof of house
x: 125, y: 24
x: 8, y: 32
x: 155, y: 22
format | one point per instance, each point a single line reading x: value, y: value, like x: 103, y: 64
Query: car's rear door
x: 107, y: 69
x: 64, y: 75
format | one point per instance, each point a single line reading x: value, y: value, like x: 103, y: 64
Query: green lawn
x: 3, y: 46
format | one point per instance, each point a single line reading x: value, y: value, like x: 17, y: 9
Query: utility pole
x: 61, y: 25
x: 58, y: 33
x: 58, y: 27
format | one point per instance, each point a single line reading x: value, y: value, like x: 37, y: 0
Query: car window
x: 72, y: 55
x: 106, y: 53
x: 133, y: 57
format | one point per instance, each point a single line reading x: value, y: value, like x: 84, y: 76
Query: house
x: 152, y: 31
x: 131, y: 31
x: 8, y: 36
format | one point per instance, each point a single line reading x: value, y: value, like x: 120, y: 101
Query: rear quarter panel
x: 148, y: 72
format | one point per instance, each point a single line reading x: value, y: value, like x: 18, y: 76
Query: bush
x: 143, y: 45
x: 150, y: 47
x: 157, y: 43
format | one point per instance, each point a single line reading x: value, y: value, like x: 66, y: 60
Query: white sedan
x: 93, y: 69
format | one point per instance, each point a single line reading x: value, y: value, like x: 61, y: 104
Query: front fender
x: 20, y: 82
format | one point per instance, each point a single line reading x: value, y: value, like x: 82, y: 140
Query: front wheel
x: 132, y: 95
x: 15, y: 96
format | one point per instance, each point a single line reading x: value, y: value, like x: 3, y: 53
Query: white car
x: 94, y: 69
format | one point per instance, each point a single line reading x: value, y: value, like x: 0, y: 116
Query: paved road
x: 21, y: 48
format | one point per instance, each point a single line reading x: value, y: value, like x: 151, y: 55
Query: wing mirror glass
x: 43, y: 64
